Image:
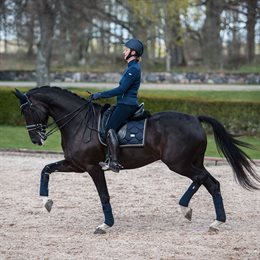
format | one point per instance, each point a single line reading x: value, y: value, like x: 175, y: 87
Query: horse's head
x: 36, y: 116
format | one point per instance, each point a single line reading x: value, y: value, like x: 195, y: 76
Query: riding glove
x: 96, y: 96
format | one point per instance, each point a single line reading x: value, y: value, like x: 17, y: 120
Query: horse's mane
x: 56, y: 89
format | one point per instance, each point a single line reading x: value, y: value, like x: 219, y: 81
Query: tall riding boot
x: 113, y: 146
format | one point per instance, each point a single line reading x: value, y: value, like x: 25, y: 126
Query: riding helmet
x: 136, y: 45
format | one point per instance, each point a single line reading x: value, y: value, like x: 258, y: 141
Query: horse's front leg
x: 60, y: 166
x: 99, y: 179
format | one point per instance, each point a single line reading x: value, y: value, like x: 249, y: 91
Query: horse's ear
x: 20, y: 95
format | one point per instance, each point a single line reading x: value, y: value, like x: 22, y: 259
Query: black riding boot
x: 113, y: 147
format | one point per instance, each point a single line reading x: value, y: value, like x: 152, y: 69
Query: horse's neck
x: 68, y: 110
x: 61, y: 107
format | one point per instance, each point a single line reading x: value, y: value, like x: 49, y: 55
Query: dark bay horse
x: 177, y: 139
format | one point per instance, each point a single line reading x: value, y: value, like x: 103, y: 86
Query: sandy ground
x: 145, y: 205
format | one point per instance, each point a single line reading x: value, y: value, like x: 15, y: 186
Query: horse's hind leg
x: 213, y: 187
x: 200, y: 176
x: 203, y: 177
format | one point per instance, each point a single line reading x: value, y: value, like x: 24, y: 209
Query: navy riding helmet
x: 136, y: 45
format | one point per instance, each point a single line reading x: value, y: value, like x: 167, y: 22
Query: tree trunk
x: 3, y: 12
x: 212, y: 44
x: 173, y: 39
x: 47, y: 22
x: 250, y: 26
x: 30, y: 38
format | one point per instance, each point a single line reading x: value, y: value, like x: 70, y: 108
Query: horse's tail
x: 238, y: 160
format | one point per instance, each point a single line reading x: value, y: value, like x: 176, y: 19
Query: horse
x: 177, y: 139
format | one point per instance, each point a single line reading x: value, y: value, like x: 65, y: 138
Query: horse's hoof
x: 213, y: 230
x: 214, y: 226
x: 48, y: 205
x: 101, y: 229
x: 187, y: 212
x: 188, y: 215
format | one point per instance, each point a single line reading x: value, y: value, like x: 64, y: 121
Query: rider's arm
x: 126, y: 81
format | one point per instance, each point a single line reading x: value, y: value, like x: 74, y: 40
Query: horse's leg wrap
x: 45, y: 175
x: 185, y: 199
x: 107, y: 209
x: 219, y: 207
x: 64, y: 166
x: 44, y: 183
x: 213, y: 187
x: 109, y: 218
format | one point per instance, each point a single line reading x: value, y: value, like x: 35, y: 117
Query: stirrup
x: 115, y: 166
x: 104, y: 166
x: 111, y: 165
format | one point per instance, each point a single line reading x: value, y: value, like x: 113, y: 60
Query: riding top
x: 128, y: 87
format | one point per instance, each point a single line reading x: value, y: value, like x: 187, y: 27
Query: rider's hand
x: 96, y: 96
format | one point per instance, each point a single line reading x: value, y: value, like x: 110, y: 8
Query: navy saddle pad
x: 130, y: 134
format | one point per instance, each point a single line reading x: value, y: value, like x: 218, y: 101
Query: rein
x: 73, y: 114
x: 41, y: 128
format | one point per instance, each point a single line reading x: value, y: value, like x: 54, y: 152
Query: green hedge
x: 9, y: 109
x: 238, y: 117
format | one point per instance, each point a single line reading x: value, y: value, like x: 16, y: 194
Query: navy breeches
x: 119, y: 116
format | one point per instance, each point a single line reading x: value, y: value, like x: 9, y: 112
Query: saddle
x: 132, y: 133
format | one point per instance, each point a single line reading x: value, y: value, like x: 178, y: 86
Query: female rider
x: 127, y: 101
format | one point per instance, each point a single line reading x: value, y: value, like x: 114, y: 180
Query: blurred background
x: 62, y: 36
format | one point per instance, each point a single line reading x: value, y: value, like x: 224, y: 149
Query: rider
x: 127, y: 101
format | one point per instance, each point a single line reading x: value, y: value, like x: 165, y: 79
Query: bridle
x: 40, y: 128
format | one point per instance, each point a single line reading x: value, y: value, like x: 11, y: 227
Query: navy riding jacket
x: 129, y: 84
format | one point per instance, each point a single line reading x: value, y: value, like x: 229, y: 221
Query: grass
x: 17, y: 138
x: 252, y: 140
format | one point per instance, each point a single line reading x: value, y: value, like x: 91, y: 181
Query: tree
x: 247, y: 13
x: 6, y: 21
x: 250, y: 26
x: 172, y: 31
x: 47, y: 18
x: 40, y: 17
x: 171, y: 10
x: 145, y: 16
x: 212, y: 43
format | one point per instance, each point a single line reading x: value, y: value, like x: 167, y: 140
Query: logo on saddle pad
x: 130, y: 134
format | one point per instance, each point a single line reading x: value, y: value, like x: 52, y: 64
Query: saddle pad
x: 131, y: 134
